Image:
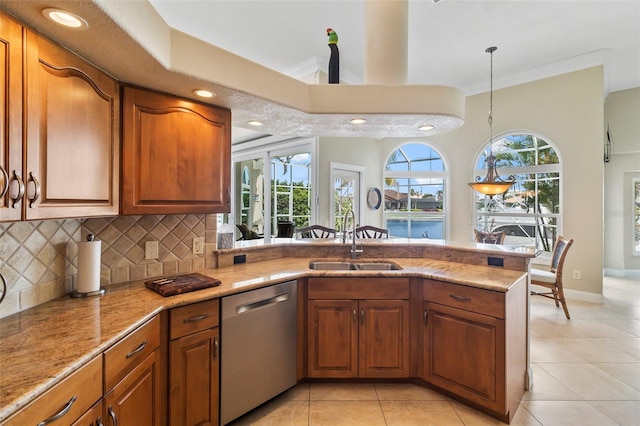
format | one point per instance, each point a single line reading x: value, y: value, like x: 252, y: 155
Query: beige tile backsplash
x: 38, y: 258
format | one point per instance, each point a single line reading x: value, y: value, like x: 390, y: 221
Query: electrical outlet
x: 151, y: 250
x: 198, y: 245
x: 576, y: 275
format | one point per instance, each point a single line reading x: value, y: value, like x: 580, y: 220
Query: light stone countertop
x: 41, y: 346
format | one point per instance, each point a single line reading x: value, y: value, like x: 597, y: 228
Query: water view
x: 433, y: 229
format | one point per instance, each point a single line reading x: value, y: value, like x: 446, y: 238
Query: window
x: 273, y: 183
x: 346, y: 182
x: 636, y: 217
x: 530, y: 210
x: 415, y: 192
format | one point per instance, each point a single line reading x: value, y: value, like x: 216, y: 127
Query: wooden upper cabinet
x: 72, y: 134
x: 176, y: 155
x: 11, y: 117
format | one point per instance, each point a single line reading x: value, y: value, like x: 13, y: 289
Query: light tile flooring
x: 586, y: 372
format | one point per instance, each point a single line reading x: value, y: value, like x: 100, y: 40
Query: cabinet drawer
x: 478, y: 300
x: 73, y: 396
x: 127, y: 353
x: 358, y: 288
x: 193, y: 318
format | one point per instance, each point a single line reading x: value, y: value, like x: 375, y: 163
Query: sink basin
x: 330, y: 266
x: 353, y: 265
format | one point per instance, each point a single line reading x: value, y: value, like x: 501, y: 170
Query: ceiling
x: 446, y: 43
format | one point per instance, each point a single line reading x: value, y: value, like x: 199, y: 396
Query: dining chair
x: 552, y: 279
x: 489, y: 237
x: 368, y: 231
x: 316, y: 231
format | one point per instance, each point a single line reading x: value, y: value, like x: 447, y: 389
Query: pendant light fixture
x: 491, y: 184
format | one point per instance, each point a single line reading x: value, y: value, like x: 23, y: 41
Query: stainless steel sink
x: 353, y: 265
x: 330, y: 266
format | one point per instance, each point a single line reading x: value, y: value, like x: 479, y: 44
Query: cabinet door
x: 384, y: 338
x: 72, y: 134
x: 11, y: 184
x: 136, y: 399
x: 176, y: 155
x: 194, y: 379
x: 332, y: 333
x: 464, y: 353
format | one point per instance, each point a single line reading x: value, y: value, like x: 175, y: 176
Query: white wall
x: 622, y: 114
x: 566, y: 110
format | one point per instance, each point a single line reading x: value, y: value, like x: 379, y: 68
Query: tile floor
x: 586, y: 372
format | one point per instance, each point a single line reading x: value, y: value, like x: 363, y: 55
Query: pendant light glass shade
x: 491, y: 184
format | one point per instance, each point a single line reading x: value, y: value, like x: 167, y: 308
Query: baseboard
x: 623, y: 273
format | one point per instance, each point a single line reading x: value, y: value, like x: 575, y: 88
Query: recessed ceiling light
x: 426, y: 127
x: 358, y: 120
x: 64, y: 18
x: 204, y: 93
x: 256, y: 123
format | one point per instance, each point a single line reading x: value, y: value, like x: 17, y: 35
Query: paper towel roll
x: 88, y: 266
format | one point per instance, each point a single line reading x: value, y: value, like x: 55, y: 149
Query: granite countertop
x: 41, y: 346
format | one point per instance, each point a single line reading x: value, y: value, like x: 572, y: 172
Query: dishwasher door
x: 258, y: 347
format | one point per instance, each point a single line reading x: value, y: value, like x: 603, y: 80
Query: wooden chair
x: 316, y: 231
x: 552, y: 279
x: 489, y: 237
x: 368, y: 231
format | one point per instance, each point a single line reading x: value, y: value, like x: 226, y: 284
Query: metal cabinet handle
x: 216, y: 347
x: 4, y: 287
x: 355, y: 315
x: 112, y: 414
x: 5, y: 177
x: 36, y: 193
x: 460, y: 298
x: 99, y: 421
x: 62, y: 412
x: 362, y: 315
x: 196, y: 319
x: 21, y: 189
x: 138, y: 349
x: 425, y: 315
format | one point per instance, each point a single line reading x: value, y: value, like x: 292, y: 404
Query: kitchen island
x: 44, y: 345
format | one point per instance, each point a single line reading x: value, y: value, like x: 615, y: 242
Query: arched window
x: 530, y: 210
x: 415, y: 192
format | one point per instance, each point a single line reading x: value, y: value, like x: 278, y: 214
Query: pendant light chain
x: 490, y: 50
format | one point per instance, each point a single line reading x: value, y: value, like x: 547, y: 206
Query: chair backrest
x: 559, y: 253
x: 489, y: 237
x: 316, y: 231
x: 368, y: 231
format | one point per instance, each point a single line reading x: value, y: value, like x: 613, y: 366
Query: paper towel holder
x: 99, y: 292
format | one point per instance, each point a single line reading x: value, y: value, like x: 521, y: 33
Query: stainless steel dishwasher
x: 258, y: 347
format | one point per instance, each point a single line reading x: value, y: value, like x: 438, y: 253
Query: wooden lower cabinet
x: 358, y: 338
x: 474, y: 344
x: 194, y: 364
x: 136, y: 399
x: 194, y: 377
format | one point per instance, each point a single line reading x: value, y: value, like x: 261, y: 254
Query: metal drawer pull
x: 362, y: 315
x: 196, y: 319
x: 355, y: 315
x: 138, y: 349
x: 216, y: 347
x: 36, y: 193
x: 426, y: 316
x: 21, y: 189
x: 112, y: 414
x: 261, y: 303
x: 5, y: 179
x: 99, y: 421
x: 62, y: 412
x: 460, y: 298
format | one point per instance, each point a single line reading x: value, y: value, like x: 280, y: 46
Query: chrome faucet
x: 354, y: 251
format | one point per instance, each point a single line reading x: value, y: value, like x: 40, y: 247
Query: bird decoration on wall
x: 334, y: 59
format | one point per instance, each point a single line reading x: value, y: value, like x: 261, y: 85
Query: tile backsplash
x: 38, y: 258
